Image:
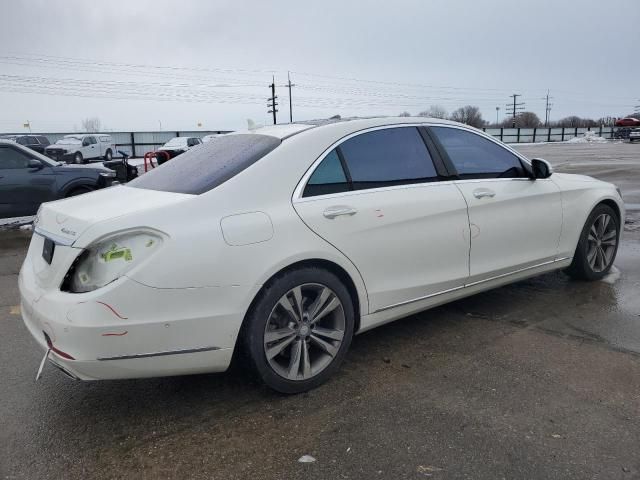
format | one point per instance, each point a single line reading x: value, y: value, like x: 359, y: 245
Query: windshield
x: 69, y: 141
x: 201, y: 169
x: 176, y: 142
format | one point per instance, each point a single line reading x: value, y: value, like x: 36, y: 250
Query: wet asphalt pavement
x: 540, y: 379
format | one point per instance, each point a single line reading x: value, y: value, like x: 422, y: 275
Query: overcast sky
x: 139, y: 64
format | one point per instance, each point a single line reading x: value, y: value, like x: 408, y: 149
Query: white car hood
x: 65, y: 220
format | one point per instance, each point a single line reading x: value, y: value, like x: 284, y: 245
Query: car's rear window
x: 206, y: 166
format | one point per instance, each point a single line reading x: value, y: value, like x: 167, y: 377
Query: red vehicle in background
x: 628, y: 122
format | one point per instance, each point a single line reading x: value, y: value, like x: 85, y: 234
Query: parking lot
x: 540, y: 379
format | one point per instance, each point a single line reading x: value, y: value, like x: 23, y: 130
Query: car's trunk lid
x: 65, y: 220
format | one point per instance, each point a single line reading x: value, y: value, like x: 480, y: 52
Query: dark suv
x: 28, y: 179
x: 34, y: 142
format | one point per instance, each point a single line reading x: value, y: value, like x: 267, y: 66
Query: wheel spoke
x: 297, y: 297
x: 608, y: 236
x: 601, y: 259
x: 591, y: 256
x: 591, y: 238
x: 327, y: 308
x: 294, y: 362
x: 319, y: 302
x: 306, y: 363
x: 605, y: 223
x: 280, y: 333
x: 326, y: 346
x: 593, y: 232
x: 278, y: 347
x: 330, y: 333
x: 286, y: 304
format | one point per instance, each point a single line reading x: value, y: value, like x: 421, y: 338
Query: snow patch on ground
x: 612, y: 277
x: 15, y: 222
x: 588, y: 137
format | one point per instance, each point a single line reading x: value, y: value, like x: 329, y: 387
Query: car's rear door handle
x: 484, y: 192
x: 333, y: 212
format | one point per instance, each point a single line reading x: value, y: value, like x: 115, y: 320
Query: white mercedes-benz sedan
x: 279, y: 244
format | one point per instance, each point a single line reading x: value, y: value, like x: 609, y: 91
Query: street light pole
x: 497, y: 110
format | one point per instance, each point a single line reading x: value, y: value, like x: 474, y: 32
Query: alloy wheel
x: 304, y: 331
x: 601, y: 242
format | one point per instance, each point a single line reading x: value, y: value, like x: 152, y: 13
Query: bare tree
x: 91, y: 125
x: 523, y: 120
x: 470, y: 115
x: 405, y: 114
x: 434, y: 111
x: 575, y: 121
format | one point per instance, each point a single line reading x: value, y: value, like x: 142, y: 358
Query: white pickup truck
x: 82, y: 148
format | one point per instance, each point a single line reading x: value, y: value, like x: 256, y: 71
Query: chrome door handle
x: 333, y: 212
x: 484, y: 192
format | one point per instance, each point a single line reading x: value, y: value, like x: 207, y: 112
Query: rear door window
x: 201, y: 169
x: 474, y: 156
x: 381, y: 158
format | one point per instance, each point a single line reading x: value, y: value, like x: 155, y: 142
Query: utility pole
x: 515, y: 108
x: 497, y: 110
x: 289, y: 84
x: 547, y: 109
x: 272, y: 100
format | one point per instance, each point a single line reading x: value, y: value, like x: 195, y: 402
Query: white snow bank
x: 588, y: 137
x: 612, y: 277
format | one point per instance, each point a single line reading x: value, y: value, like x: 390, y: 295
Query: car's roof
x: 290, y: 129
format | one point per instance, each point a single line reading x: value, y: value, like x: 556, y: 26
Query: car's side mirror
x: 541, y: 168
x: 35, y: 164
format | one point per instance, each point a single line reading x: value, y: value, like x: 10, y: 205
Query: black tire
x: 78, y: 191
x: 581, y: 268
x: 254, y: 331
x: 77, y: 158
x: 108, y: 156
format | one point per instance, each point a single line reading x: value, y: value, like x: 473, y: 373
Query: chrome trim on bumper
x: 159, y: 354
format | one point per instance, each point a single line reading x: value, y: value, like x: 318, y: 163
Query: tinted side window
x: 43, y: 140
x: 23, y: 140
x: 391, y: 156
x: 328, y: 177
x: 477, y: 157
x: 11, y: 158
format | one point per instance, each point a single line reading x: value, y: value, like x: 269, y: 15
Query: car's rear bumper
x: 129, y: 330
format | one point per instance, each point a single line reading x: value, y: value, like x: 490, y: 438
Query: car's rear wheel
x: 597, y: 246
x: 108, y: 156
x: 299, y: 330
x: 77, y: 158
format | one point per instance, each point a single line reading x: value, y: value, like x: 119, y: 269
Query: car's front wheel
x: 77, y: 158
x: 108, y: 156
x: 597, y: 246
x: 299, y: 329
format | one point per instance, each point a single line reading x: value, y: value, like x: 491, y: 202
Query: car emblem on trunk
x: 68, y: 232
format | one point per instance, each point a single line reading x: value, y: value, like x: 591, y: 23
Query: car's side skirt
x: 394, y: 312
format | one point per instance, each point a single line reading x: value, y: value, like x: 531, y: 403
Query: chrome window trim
x: 299, y: 190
